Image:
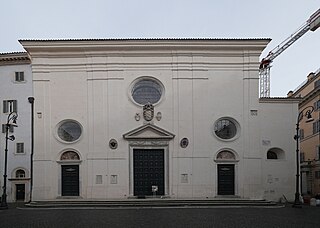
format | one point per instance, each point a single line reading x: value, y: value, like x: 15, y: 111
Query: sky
x: 76, y: 19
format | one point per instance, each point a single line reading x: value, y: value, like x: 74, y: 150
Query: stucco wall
x: 201, y: 85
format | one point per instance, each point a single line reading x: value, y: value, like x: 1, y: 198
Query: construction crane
x: 264, y: 71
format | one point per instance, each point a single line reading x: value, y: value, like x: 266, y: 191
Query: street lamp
x: 11, y: 121
x: 307, y: 113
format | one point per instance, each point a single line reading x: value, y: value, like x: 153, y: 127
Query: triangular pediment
x: 148, y: 131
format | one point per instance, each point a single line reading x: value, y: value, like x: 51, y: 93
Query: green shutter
x: 15, y: 106
x: 5, y: 106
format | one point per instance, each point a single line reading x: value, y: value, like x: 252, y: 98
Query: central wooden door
x: 70, y: 180
x: 148, y: 171
x: 225, y: 179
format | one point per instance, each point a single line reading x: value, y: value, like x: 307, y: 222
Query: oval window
x: 225, y: 128
x: 69, y: 131
x: 147, y: 91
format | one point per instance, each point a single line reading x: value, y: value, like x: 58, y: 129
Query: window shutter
x: 5, y: 106
x: 11, y: 129
x: 15, y: 106
x: 3, y: 128
x: 17, y: 76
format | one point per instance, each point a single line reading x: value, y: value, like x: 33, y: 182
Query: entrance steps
x: 136, y: 203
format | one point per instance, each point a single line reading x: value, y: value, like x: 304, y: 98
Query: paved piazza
x: 161, y: 217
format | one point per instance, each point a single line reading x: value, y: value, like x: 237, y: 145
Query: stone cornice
x: 14, y: 58
x: 93, y: 46
x: 310, y: 96
x: 279, y: 100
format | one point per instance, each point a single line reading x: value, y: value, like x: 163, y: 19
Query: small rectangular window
x: 114, y: 179
x: 184, y: 178
x: 10, y: 128
x: 317, y: 105
x: 316, y: 127
x: 20, y: 148
x: 10, y: 106
x: 19, y: 76
x: 317, y: 84
x: 301, y: 133
x: 302, y: 157
x: 317, y: 174
x: 98, y: 179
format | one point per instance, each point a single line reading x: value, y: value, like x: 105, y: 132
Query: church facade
x: 178, y: 118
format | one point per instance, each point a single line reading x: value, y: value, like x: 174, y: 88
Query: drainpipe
x: 31, y: 101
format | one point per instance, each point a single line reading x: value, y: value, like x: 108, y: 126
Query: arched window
x: 275, y: 153
x: 272, y: 155
x: 226, y: 155
x: 69, y: 155
x: 20, y: 173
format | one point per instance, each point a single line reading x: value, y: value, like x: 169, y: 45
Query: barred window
x: 20, y: 148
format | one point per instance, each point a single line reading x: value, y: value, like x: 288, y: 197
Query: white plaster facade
x: 10, y: 89
x: 203, y: 80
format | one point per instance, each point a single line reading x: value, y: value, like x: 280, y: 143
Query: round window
x: 146, y: 91
x: 69, y: 131
x: 225, y: 128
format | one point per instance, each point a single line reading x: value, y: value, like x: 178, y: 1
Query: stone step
x: 150, y: 203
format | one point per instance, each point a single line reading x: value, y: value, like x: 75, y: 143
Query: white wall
x: 20, y: 91
x: 277, y: 131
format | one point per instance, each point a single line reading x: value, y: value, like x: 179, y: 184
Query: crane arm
x: 311, y: 24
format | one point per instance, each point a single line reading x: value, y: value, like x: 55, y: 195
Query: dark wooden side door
x: 20, y: 192
x: 148, y: 171
x: 70, y: 180
x: 225, y: 179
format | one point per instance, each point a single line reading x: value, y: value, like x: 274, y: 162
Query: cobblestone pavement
x: 161, y: 217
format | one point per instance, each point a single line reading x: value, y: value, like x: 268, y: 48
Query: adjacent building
x: 178, y: 118
x: 309, y: 91
x: 15, y: 88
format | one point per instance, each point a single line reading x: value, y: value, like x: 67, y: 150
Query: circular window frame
x: 65, y: 121
x: 235, y: 122
x: 137, y: 80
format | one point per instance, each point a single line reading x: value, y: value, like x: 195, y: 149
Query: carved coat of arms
x: 148, y: 112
